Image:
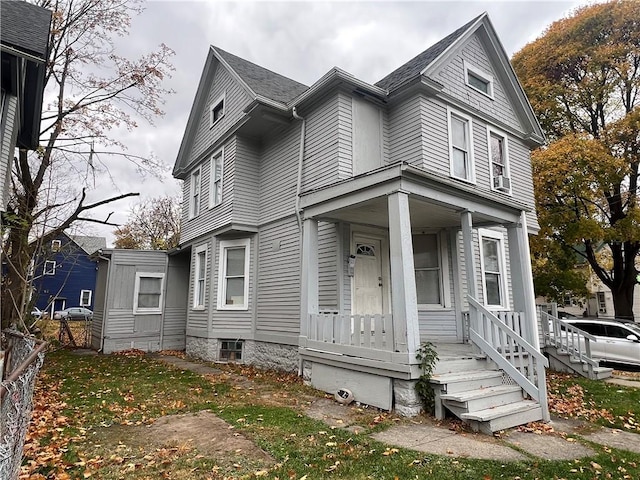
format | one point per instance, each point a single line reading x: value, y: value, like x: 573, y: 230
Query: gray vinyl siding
x: 209, y: 218
x: 99, y: 303
x: 322, y: 142
x: 522, y: 179
x: 175, y: 304
x: 405, y: 135
x: 8, y: 133
x: 279, y: 175
x: 123, y: 328
x: 246, y: 183
x: 198, y: 319
x: 232, y: 323
x: 236, y: 99
x: 452, y: 77
x: 345, y: 136
x: 327, y: 266
x: 435, y: 136
x: 278, y: 308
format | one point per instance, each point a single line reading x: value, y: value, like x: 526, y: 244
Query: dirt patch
x: 202, y: 431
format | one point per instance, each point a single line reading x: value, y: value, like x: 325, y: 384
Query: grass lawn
x: 93, y: 418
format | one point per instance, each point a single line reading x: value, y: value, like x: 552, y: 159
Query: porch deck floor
x: 456, y: 351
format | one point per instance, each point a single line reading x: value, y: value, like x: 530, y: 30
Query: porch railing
x: 565, y: 337
x: 366, y: 336
x: 509, y: 350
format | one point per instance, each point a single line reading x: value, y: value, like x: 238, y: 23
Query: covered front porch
x: 421, y: 258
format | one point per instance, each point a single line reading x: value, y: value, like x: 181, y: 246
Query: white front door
x: 367, y: 277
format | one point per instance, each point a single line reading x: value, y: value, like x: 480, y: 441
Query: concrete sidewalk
x: 561, y: 442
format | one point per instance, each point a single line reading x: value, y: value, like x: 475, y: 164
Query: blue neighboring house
x: 64, y: 275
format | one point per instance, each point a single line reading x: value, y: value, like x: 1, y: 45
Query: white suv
x: 618, y: 342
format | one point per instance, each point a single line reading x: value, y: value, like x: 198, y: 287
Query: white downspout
x: 300, y: 161
x: 294, y: 112
x: 104, y: 306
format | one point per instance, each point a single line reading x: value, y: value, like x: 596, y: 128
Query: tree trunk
x: 623, y: 299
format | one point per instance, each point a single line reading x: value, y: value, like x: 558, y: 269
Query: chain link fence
x: 24, y: 357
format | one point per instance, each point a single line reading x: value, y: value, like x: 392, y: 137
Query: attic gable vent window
x: 478, y: 80
x: 217, y: 110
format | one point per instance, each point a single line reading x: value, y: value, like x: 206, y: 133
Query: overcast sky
x: 301, y: 40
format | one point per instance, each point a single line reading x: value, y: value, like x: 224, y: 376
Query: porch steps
x: 561, y: 360
x: 480, y: 398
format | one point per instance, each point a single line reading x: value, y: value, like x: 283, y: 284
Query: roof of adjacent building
x: 89, y: 244
x: 414, y: 67
x: 262, y: 81
x: 25, y: 27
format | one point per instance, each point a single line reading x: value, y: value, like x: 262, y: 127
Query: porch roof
x: 435, y: 200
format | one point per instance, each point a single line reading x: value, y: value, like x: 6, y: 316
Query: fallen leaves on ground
x: 571, y: 403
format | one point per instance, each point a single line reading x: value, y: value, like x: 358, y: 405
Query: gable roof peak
x: 261, y: 81
x: 417, y: 64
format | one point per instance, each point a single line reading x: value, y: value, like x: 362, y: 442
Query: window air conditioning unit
x: 502, y: 183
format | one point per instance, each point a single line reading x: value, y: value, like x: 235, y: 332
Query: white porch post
x: 309, y: 274
x: 404, y: 300
x: 522, y: 277
x: 469, y: 257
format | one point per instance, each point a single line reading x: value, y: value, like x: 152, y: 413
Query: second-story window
x: 55, y: 245
x: 194, y: 203
x: 217, y: 164
x: 499, y: 158
x: 461, y: 146
x: 49, y: 267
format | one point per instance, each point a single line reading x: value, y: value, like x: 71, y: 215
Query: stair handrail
x: 535, y: 384
x: 567, y: 336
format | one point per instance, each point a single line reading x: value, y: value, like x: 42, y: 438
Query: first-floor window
x: 493, y: 268
x: 426, y: 259
x: 85, y: 298
x: 233, y: 277
x: 200, y: 277
x: 148, y: 293
x: 49, y: 267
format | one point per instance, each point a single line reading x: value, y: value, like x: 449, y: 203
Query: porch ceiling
x: 424, y: 214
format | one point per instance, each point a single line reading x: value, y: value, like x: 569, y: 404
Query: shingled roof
x: 89, y: 244
x: 262, y: 81
x: 25, y: 27
x: 414, y: 66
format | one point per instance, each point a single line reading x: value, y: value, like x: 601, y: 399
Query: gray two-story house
x: 334, y: 228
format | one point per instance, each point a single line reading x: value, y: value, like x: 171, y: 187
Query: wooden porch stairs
x: 473, y: 390
x: 562, y: 361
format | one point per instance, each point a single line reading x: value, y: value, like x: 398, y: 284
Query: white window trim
x: 222, y: 265
x: 195, y: 305
x: 469, y: 68
x: 443, y: 258
x: 504, y: 301
x: 212, y: 185
x: 507, y: 167
x: 214, y: 104
x: 472, y: 169
x: 192, y: 186
x: 46, y: 271
x: 56, y: 245
x: 143, y: 310
x: 82, y: 292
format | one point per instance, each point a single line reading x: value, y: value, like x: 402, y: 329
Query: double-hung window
x: 194, y: 201
x: 499, y: 161
x: 217, y: 164
x: 55, y: 245
x: 200, y: 277
x: 233, y: 275
x: 426, y: 259
x: 49, y: 267
x: 85, y: 298
x: 461, y: 146
x: 492, y: 260
x: 148, y: 293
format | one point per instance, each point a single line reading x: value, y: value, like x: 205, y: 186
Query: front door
x: 367, y: 277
